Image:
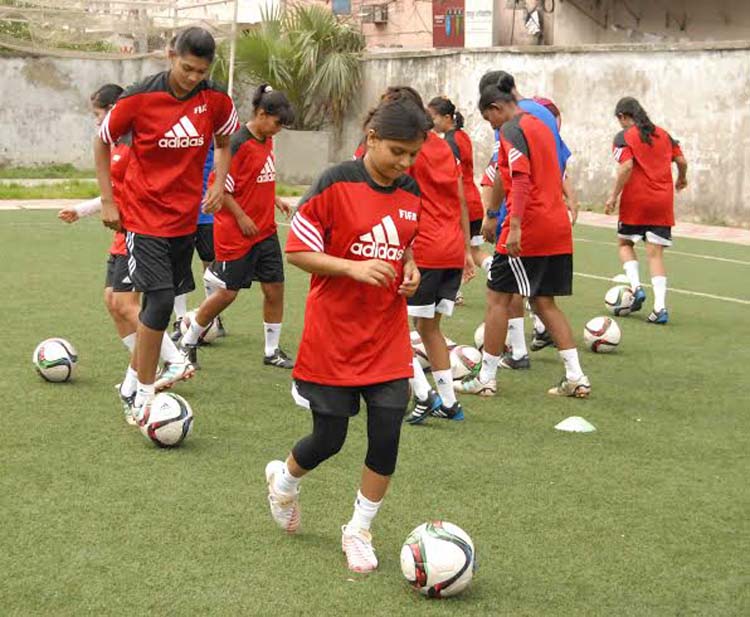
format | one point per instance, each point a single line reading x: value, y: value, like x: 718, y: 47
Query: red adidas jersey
x: 355, y: 334
x: 527, y: 146
x: 252, y: 183
x: 118, y: 163
x: 440, y: 242
x: 171, y: 136
x: 648, y: 196
x: 460, y: 143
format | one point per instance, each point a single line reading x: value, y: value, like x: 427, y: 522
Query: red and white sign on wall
x: 448, y: 23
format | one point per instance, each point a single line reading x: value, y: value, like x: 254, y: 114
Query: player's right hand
x: 373, y: 272
x: 110, y: 215
x: 69, y: 215
x: 247, y: 226
x: 488, y: 229
x: 610, y: 205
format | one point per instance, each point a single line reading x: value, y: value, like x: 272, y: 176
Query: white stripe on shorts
x: 519, y: 272
x: 130, y: 243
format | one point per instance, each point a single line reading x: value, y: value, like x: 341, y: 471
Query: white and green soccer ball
x: 465, y: 360
x: 438, y: 559
x: 619, y: 300
x: 55, y: 359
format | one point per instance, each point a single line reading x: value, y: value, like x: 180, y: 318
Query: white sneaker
x: 284, y: 508
x: 172, y: 373
x: 127, y: 406
x: 474, y: 385
x: 357, y: 546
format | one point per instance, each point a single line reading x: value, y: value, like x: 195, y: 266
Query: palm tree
x: 311, y: 56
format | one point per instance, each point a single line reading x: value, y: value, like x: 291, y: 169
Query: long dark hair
x: 493, y: 94
x: 630, y: 107
x: 504, y: 81
x: 274, y: 103
x: 398, y: 93
x: 400, y: 120
x: 445, y: 107
x: 196, y: 41
x: 106, y: 96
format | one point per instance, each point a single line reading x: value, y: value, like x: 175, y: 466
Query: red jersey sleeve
x: 676, y: 150
x: 119, y: 120
x: 488, y: 177
x: 225, y: 115
x: 312, y: 220
x: 515, y: 148
x: 621, y: 151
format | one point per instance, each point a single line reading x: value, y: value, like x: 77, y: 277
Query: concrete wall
x: 700, y: 94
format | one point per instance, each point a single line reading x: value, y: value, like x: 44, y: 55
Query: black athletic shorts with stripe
x: 204, y: 242
x: 344, y: 401
x: 156, y: 263
x: 550, y: 275
x: 118, y: 277
x: 263, y: 263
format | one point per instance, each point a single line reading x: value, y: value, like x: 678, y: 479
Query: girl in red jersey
x: 353, y: 231
x: 120, y: 298
x: 246, y: 245
x: 645, y: 153
x: 449, y: 121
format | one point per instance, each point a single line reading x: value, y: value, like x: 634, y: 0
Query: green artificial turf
x: 646, y: 516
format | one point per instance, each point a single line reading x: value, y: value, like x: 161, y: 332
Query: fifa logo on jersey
x: 380, y: 243
x: 182, y: 135
x: 268, y: 173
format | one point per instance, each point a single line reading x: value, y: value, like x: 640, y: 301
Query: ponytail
x: 274, y: 103
x: 443, y: 106
x: 631, y: 108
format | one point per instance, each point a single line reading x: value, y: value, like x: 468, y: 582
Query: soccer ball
x: 209, y: 335
x: 479, y: 337
x: 465, y: 360
x: 55, y: 359
x: 619, y: 300
x: 602, y: 334
x: 420, y: 352
x: 167, y: 420
x: 438, y: 559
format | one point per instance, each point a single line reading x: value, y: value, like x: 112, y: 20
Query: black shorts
x: 532, y: 276
x: 475, y: 232
x: 262, y: 263
x: 118, y: 277
x: 436, y: 292
x: 156, y: 263
x: 654, y: 234
x: 343, y: 401
x: 204, y: 242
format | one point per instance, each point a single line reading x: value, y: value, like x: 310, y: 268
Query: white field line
x: 686, y: 292
x: 673, y: 252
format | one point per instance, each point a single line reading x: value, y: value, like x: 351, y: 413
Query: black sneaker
x: 220, y: 330
x: 455, y: 412
x: 507, y: 361
x: 176, y: 331
x: 191, y: 353
x: 279, y: 359
x: 424, y: 408
x: 540, y: 340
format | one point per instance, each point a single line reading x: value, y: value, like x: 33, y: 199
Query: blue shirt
x: 203, y: 218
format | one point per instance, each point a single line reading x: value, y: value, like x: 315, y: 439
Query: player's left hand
x: 284, y: 207
x: 610, y: 205
x: 513, y: 242
x: 410, y: 281
x: 213, y: 198
x: 69, y: 215
x: 681, y: 183
x: 469, y: 268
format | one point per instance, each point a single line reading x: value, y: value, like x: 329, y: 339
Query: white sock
x: 660, y: 292
x: 272, y: 333
x: 194, y: 332
x: 573, y: 370
x: 517, y: 337
x: 129, y: 341
x: 144, y: 393
x: 419, y: 384
x: 364, y: 513
x: 169, y: 352
x: 538, y: 324
x: 631, y: 271
x: 180, y: 306
x: 489, y: 367
x: 286, y: 483
x: 487, y: 264
x: 444, y: 382
x: 129, y: 383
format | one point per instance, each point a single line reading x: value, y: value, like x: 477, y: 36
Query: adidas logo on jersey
x: 381, y: 243
x: 182, y: 135
x: 268, y: 173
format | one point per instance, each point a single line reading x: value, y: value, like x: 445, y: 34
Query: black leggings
x: 329, y: 433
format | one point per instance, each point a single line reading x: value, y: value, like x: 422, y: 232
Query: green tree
x: 310, y: 55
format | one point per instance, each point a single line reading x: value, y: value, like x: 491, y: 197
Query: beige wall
x: 671, y: 82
